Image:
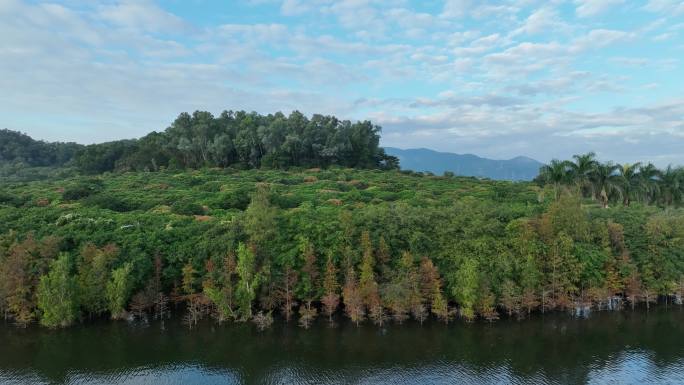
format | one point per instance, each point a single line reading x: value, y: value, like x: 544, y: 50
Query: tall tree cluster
x: 244, y: 140
x: 232, y: 139
x: 614, y: 183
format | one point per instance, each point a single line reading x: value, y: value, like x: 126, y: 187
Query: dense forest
x: 322, y: 230
x: 22, y: 158
x: 236, y: 139
x: 374, y: 246
x: 18, y: 148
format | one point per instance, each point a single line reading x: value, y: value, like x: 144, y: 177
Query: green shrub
x: 12, y: 200
x: 79, y: 191
x: 113, y: 202
x: 187, y: 207
x: 286, y: 201
x: 236, y: 199
x: 211, y: 187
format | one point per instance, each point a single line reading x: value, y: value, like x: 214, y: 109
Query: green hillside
x: 374, y: 246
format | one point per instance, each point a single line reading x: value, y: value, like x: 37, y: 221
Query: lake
x: 607, y: 348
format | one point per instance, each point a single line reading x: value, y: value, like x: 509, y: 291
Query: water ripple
x: 642, y: 350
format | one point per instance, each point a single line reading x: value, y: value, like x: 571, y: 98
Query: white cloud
x: 672, y: 7
x: 456, y: 8
x: 625, y: 135
x: 589, y: 8
x: 480, y: 45
x: 294, y: 7
x: 494, y: 78
x: 598, y: 38
x: 663, y: 36
x: 254, y: 33
x: 631, y: 61
x: 142, y: 15
x: 409, y: 19
x: 543, y: 20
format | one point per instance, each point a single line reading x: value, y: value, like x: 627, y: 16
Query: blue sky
x: 495, y: 78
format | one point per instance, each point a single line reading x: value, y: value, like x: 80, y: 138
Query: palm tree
x: 555, y: 173
x: 581, y: 169
x: 671, y: 185
x: 605, y: 182
x: 632, y: 184
x: 650, y: 176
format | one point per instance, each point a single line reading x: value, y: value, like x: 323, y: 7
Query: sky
x: 544, y: 79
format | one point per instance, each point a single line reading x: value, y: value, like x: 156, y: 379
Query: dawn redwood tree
x: 139, y: 304
x: 633, y: 288
x: 398, y: 293
x: 57, y: 294
x: 384, y: 252
x: 308, y: 284
x: 428, y: 278
x: 353, y: 301
x: 24, y: 262
x: 160, y: 299
x: 15, y: 278
x: 465, y: 288
x: 119, y: 289
x: 440, y: 306
x: 486, y: 303
x: 520, y: 289
x: 412, y: 281
x: 189, y: 275
x: 368, y: 286
x: 511, y: 298
x: 222, y: 292
x: 94, y: 268
x: 286, y: 291
x: 249, y: 281
x: 530, y: 280
x: 430, y: 290
x: 563, y: 269
x: 269, y: 291
x: 331, y: 297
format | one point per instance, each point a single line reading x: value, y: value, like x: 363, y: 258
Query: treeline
x: 614, y: 183
x: 233, y: 139
x: 450, y: 248
x: 20, y: 149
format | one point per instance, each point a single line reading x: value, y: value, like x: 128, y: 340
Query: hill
x: 422, y: 159
x: 236, y: 139
x: 17, y: 148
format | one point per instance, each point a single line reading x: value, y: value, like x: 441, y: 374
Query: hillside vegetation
x: 224, y: 215
x: 370, y: 245
x: 236, y: 139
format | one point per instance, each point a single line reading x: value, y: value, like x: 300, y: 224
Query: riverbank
x: 625, y: 347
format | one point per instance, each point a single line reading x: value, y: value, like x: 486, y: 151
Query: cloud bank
x: 497, y: 78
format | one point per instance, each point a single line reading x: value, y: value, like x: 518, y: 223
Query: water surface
x: 608, y: 348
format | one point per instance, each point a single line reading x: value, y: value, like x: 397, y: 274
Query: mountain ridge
x: 424, y: 159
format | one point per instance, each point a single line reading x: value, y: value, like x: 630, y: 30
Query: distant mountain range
x: 423, y: 159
